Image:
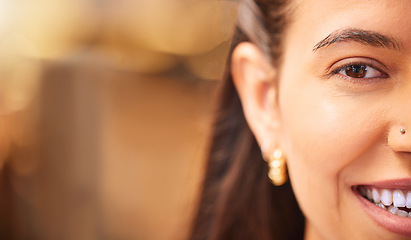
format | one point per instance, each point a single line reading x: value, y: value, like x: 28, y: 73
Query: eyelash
x: 368, y: 67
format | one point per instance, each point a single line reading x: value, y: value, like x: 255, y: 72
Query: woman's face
x: 342, y: 103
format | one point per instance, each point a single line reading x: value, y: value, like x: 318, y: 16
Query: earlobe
x: 254, y: 78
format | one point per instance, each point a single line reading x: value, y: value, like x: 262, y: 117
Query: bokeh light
x: 104, y: 114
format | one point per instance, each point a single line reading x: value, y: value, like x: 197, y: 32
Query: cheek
x: 322, y: 134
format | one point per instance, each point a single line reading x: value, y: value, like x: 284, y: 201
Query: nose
x: 399, y: 132
x: 399, y: 138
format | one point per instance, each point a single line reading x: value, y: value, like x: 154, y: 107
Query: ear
x: 255, y: 81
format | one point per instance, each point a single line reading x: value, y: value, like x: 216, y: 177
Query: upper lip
x: 404, y: 183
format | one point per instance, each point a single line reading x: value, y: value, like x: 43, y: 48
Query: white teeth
x: 376, y: 196
x: 369, y: 194
x: 381, y: 206
x: 402, y: 213
x: 386, y: 197
x: 398, y: 198
x: 408, y: 203
x: 389, y: 200
x: 393, y: 210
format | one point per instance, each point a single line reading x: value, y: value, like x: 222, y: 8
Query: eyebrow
x: 368, y: 38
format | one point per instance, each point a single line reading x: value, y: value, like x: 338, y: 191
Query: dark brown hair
x: 237, y: 200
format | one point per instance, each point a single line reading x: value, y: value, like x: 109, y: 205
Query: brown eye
x: 360, y: 71
x: 356, y: 71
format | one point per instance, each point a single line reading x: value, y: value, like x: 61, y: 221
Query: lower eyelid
x: 360, y: 82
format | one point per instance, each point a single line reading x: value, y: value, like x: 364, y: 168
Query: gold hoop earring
x: 277, y: 168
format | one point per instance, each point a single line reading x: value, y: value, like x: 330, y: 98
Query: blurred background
x: 105, y: 108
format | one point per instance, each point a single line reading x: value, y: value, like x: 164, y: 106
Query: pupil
x: 356, y: 71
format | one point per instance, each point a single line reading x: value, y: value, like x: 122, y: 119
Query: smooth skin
x: 337, y: 131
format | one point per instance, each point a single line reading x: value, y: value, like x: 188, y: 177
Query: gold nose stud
x: 402, y: 130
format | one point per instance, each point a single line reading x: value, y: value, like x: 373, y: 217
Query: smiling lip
x: 392, y: 222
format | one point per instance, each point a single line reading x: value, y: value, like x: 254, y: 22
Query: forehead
x: 315, y: 19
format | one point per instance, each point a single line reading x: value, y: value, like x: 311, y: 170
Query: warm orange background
x: 105, y: 108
